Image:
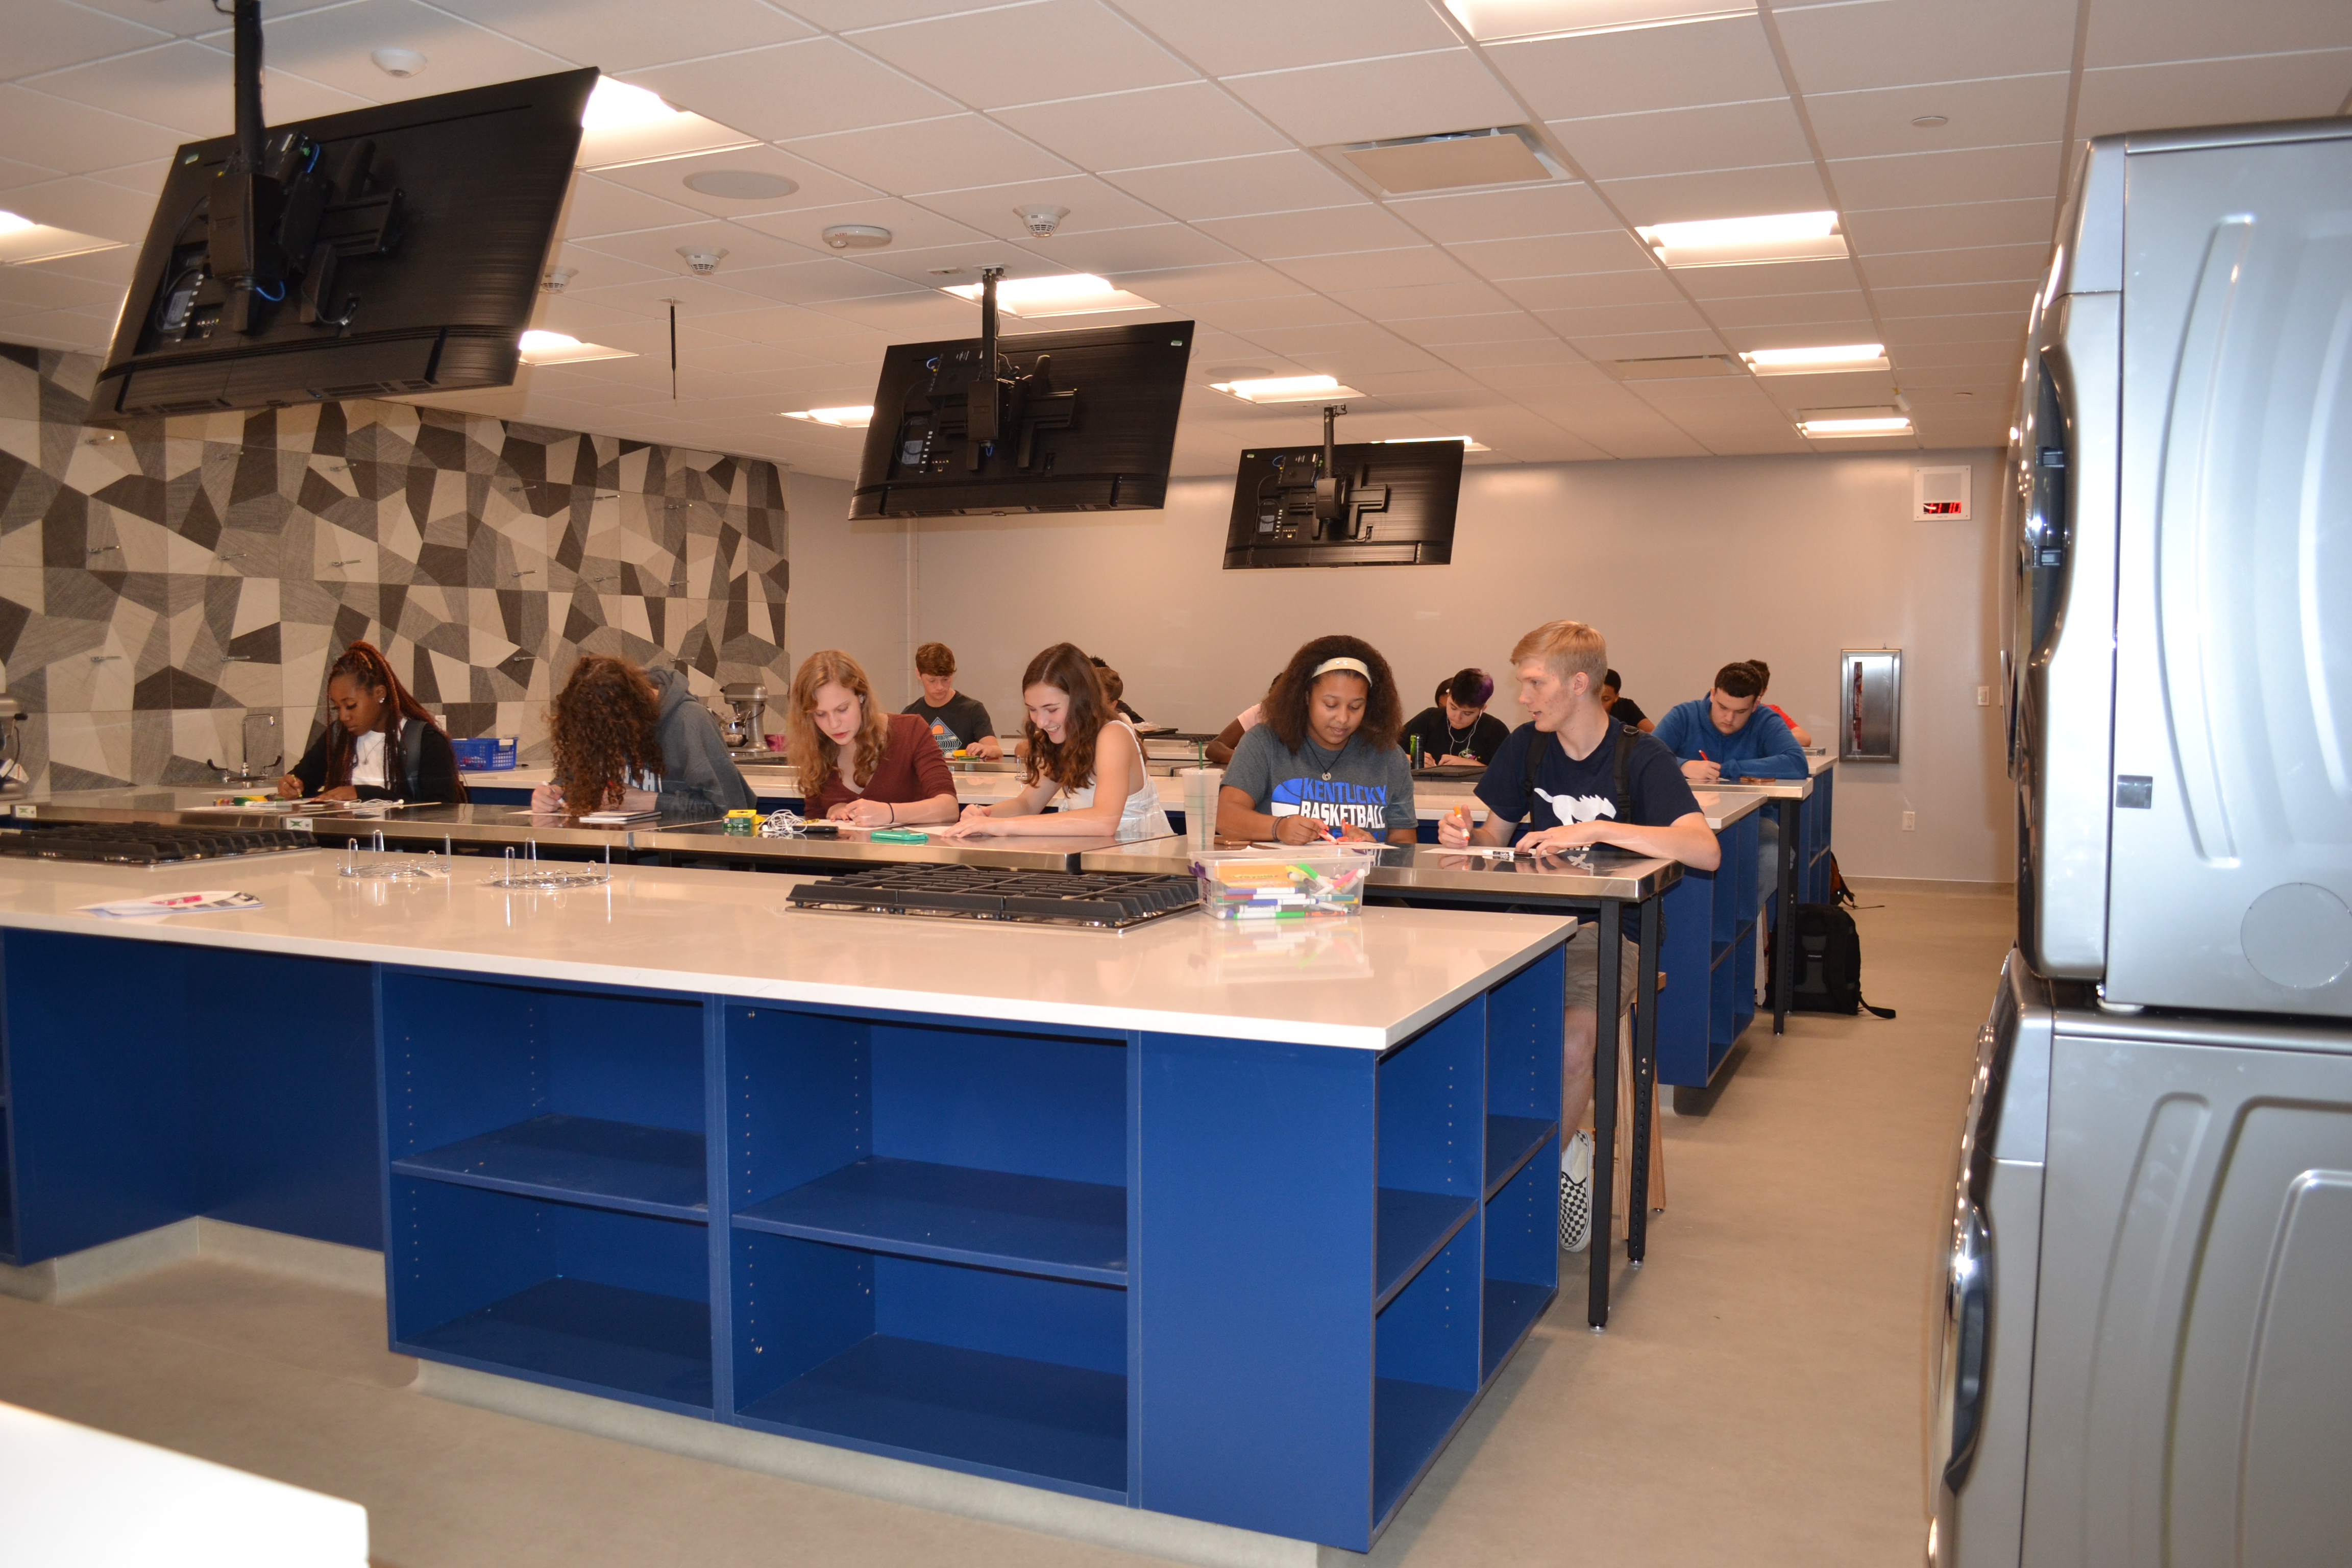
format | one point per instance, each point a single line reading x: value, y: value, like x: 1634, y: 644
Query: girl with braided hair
x: 379, y: 743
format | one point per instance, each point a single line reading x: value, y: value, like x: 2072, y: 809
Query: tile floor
x: 1757, y: 1399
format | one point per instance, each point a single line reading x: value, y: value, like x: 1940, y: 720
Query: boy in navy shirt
x: 1574, y: 802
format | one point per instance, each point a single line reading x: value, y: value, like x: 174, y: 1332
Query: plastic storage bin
x: 490, y: 754
x: 1265, y: 884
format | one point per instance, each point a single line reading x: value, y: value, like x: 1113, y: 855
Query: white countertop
x: 1368, y: 981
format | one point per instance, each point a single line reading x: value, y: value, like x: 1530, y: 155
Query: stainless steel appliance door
x: 1981, y: 1361
x: 2231, y: 885
x: 2192, y: 1391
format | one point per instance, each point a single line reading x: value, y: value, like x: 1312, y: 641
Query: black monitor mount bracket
x: 1341, y: 506
x: 976, y: 396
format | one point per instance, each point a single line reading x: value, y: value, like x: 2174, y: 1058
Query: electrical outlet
x: 1984, y: 695
x: 1910, y: 822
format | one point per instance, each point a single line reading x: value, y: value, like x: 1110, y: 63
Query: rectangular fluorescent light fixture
x: 1744, y: 241
x: 1859, y: 422
x: 839, y: 418
x: 22, y: 239
x: 1469, y: 443
x: 1815, y: 361
x: 561, y: 348
x: 1495, y: 21
x: 1071, y: 294
x: 1286, y: 389
x: 626, y: 126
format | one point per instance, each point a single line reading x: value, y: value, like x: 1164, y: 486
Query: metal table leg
x: 1645, y: 1076
x: 1784, y: 943
x: 1604, y: 1111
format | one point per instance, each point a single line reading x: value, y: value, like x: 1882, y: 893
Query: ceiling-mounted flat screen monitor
x: 390, y: 250
x: 1393, y: 505
x: 1085, y: 421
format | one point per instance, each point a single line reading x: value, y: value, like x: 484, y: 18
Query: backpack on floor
x: 1829, y: 963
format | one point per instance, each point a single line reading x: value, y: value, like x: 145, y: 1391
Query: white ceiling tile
x: 74, y: 137
x: 916, y: 318
x: 1891, y: 229
x: 1995, y: 381
x: 1331, y: 351
x: 1972, y: 175
x: 761, y: 321
x: 667, y: 179
x: 1018, y: 54
x: 188, y: 87
x: 1992, y: 356
x: 1362, y: 100
x: 1719, y: 193
x: 330, y: 46
x: 1845, y: 307
x: 1876, y: 43
x: 1444, y: 332
x: 1117, y: 252
x: 612, y: 35
x: 2000, y: 112
x: 2014, y: 299
x: 1239, y: 187
x: 2153, y: 30
x: 1271, y: 237
x: 1590, y: 289
x: 840, y: 15
x: 1725, y: 60
x: 1223, y: 283
x: 146, y: 178
x: 599, y: 206
x: 1980, y: 326
x: 596, y: 269
x: 1603, y: 321
x: 645, y: 295
x: 1227, y: 36
x: 658, y: 248
x: 1845, y: 389
x: 911, y: 227
x: 1462, y: 217
x: 1525, y: 380
x: 961, y: 150
x: 2213, y: 92
x: 1971, y: 264
x: 1536, y: 348
x: 86, y: 206
x: 1555, y: 256
x: 31, y: 289
x: 1283, y: 310
x: 75, y: 331
x: 1680, y: 140
x: 819, y: 282
x: 1768, y: 277
x: 1375, y: 268
x: 995, y: 209
x: 183, y: 19
x: 1604, y: 346
x: 1459, y: 298
x: 13, y: 174
x: 1126, y: 129
x: 795, y: 90
x: 46, y: 34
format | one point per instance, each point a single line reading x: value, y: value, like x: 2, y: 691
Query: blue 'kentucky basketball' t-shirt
x: 1369, y: 787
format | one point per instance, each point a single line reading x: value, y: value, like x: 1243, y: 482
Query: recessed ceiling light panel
x: 22, y: 239
x: 1287, y: 389
x: 1818, y: 360
x: 1745, y: 241
x: 627, y: 125
x: 741, y: 184
x: 857, y: 418
x: 1450, y: 160
x: 1848, y: 422
x: 1469, y: 443
x: 1070, y: 294
x: 1493, y: 21
x: 540, y: 347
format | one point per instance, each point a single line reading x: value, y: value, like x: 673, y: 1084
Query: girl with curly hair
x: 1079, y: 747
x: 630, y: 739
x: 1324, y: 763
x: 378, y: 742
x: 858, y: 764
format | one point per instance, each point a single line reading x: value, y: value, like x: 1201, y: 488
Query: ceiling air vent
x: 1450, y: 160
x: 1676, y: 367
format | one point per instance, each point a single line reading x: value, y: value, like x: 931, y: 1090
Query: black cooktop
x: 140, y: 843
x: 1107, y: 900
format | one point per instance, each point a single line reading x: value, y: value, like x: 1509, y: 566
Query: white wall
x: 851, y: 588
x: 1684, y: 566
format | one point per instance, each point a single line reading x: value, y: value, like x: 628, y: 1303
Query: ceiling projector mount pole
x: 1330, y: 486
x: 985, y: 403
x: 243, y: 207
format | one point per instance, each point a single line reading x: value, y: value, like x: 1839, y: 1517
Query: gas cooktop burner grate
x: 1108, y: 901
x: 142, y: 843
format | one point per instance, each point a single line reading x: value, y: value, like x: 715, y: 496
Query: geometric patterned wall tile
x: 159, y: 584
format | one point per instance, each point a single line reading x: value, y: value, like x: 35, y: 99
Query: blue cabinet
x: 1708, y: 954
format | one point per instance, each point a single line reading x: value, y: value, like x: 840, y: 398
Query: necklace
x: 1454, y: 743
x: 1315, y: 754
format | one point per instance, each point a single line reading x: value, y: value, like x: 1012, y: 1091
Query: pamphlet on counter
x: 175, y: 904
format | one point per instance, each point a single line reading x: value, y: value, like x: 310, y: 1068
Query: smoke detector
x: 397, y: 62
x: 855, y: 237
x: 1042, y: 221
x: 701, y: 261
x: 558, y: 279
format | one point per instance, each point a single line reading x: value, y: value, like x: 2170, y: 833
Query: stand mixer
x: 743, y: 724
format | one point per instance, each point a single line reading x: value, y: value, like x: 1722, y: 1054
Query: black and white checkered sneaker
x: 1575, y: 1194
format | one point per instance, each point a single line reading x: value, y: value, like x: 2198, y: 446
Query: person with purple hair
x: 1456, y: 728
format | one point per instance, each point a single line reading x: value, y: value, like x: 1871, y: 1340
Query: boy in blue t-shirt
x: 1574, y: 802
x: 1727, y: 735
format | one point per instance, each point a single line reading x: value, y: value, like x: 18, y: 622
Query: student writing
x: 630, y: 739
x: 1075, y: 744
x: 857, y: 764
x: 1324, y: 763
x: 378, y: 744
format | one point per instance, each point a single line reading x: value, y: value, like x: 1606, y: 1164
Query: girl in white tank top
x: 1106, y: 788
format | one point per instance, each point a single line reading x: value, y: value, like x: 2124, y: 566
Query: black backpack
x: 1829, y: 963
x: 1626, y: 735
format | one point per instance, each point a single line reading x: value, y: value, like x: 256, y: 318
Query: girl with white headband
x: 1324, y: 763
